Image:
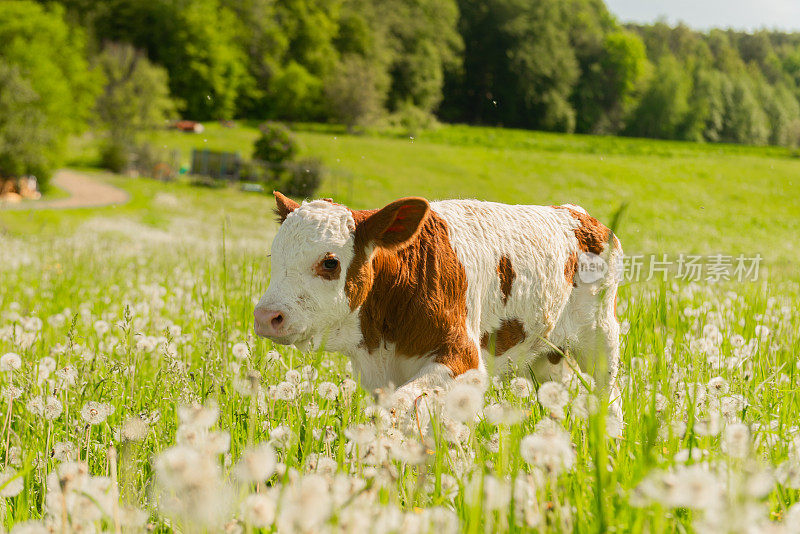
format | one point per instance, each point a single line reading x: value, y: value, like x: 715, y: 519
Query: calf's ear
x: 397, y: 223
x: 283, y: 206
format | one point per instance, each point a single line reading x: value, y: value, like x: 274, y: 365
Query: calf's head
x: 322, y: 263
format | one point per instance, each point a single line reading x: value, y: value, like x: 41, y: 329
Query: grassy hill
x: 681, y: 197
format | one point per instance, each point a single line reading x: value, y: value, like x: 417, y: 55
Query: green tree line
x: 560, y: 65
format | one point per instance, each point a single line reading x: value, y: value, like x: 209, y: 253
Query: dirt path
x: 84, y: 190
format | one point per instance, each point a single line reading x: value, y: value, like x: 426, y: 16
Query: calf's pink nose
x: 269, y: 322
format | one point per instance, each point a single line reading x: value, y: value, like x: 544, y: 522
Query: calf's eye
x: 328, y: 268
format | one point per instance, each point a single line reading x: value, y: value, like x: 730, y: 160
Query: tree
x: 519, y: 66
x: 664, y: 104
x: 136, y: 92
x: 353, y: 92
x: 27, y: 144
x: 196, y: 41
x: 265, y: 44
x: 424, y: 43
x: 46, y: 58
x: 135, y: 97
x: 608, y: 91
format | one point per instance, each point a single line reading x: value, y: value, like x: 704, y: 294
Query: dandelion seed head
x: 553, y: 397
x: 63, y: 451
x: 309, y: 373
x: 474, y: 378
x: 11, y: 392
x: 240, y: 351
x: 35, y: 405
x: 259, y: 509
x: 198, y: 415
x: 361, y: 433
x: 134, y: 429
x: 736, y: 440
x: 11, y: 482
x: 550, y: 450
x: 95, y: 413
x: 256, y: 464
x: 521, y: 387
x: 286, y: 391
x: 10, y: 361
x: 328, y: 390
x: 67, y: 376
x: 463, y: 402
x: 293, y: 376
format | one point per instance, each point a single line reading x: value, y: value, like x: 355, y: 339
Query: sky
x: 704, y: 14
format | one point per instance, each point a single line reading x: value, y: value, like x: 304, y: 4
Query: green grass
x: 147, y: 304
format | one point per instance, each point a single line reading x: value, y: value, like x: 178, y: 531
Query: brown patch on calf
x: 571, y: 267
x: 328, y: 274
x: 592, y: 235
x: 413, y: 290
x: 510, y: 333
x: 507, y: 276
x: 554, y: 356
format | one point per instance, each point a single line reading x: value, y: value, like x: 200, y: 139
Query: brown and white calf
x: 419, y: 292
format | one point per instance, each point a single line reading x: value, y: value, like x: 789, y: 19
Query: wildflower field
x: 136, y: 398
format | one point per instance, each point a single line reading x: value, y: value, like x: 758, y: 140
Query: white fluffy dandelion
x: 10, y: 361
x: 67, y: 376
x: 240, y: 351
x: 293, y: 376
x: 11, y: 482
x: 378, y: 416
x: 736, y: 440
x: 474, y: 378
x: 553, y: 397
x: 550, y: 450
x: 361, y: 434
x: 286, y: 391
x: 463, y: 402
x: 52, y: 408
x: 199, y: 415
x: 718, y: 386
x: 134, y: 429
x: 256, y: 464
x: 64, y: 451
x: 35, y: 405
x: 258, y: 510
x: 521, y: 387
x: 95, y: 413
x: 328, y: 390
x: 101, y: 327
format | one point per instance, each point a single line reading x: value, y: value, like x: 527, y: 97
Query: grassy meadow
x: 136, y: 398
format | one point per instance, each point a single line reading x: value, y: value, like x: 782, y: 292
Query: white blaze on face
x: 310, y: 303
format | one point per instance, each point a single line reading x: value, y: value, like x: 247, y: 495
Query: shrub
x: 412, y: 120
x: 253, y: 171
x: 114, y: 156
x: 304, y: 178
x: 276, y: 145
